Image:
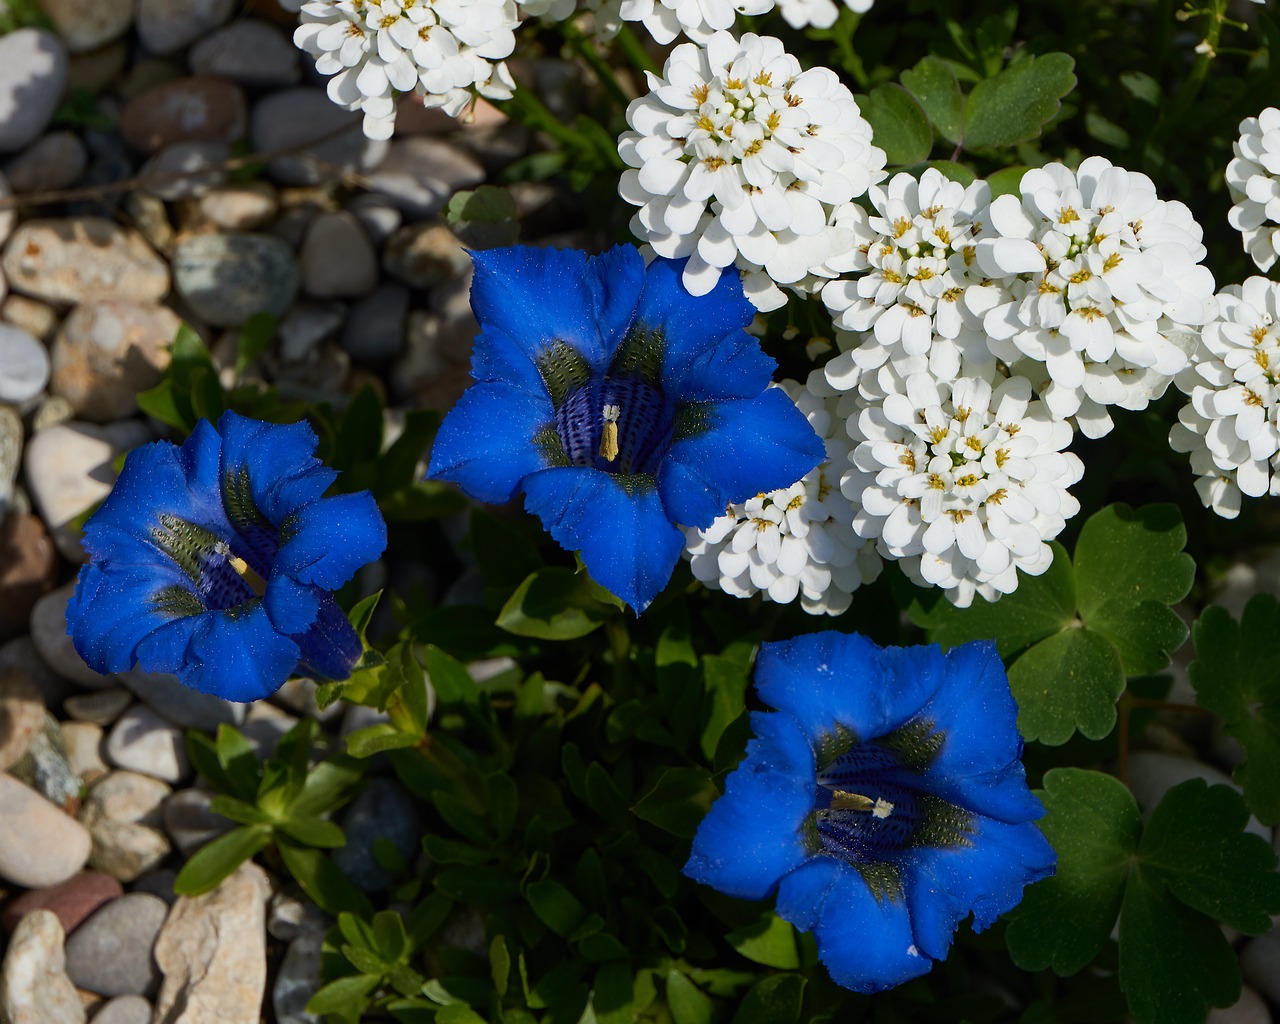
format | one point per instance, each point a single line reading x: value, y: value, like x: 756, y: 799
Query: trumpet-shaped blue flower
x: 884, y: 801
x: 215, y: 561
x: 620, y: 405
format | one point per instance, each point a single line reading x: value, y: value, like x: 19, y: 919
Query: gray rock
x: 158, y: 883
x: 49, y: 632
x: 225, y: 279
x: 381, y: 810
x: 21, y: 715
x: 83, y: 744
x: 40, y: 846
x: 124, y: 1010
x: 33, y: 74
x: 337, y: 259
x: 23, y: 655
x: 297, y: 980
x: 53, y: 161
x: 88, y: 24
x: 375, y: 329
x: 299, y: 694
x: 100, y: 708
x: 250, y: 52
x: 168, y: 25
x: 189, y: 821
x: 24, y: 365
x: 122, y: 814
x: 179, y: 704
x: 264, y: 725
x: 378, y: 216
x: 185, y: 170
x: 294, y: 117
x: 307, y: 326
x: 83, y: 259
x: 108, y: 352
x: 421, y: 174
x: 111, y: 952
x: 47, y: 769
x: 110, y: 160
x: 290, y: 916
x: 142, y: 741
x: 212, y: 952
x: 240, y: 207
x: 424, y: 255
x: 34, y: 987
x: 69, y: 469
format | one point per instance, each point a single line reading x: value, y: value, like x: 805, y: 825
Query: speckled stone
x: 225, y: 279
x: 250, y: 52
x: 24, y: 365
x: 290, y: 118
x: 34, y: 987
x: 196, y: 109
x: 21, y: 715
x: 122, y: 812
x: 88, y: 24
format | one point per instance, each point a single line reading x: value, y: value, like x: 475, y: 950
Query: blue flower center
x: 871, y: 806
x: 224, y: 574
x: 620, y: 425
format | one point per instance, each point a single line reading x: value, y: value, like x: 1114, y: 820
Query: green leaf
x: 313, y: 832
x: 774, y: 1000
x: 254, y: 337
x: 389, y: 936
x: 238, y: 811
x: 239, y: 763
x: 499, y: 964
x: 1093, y: 824
x: 1014, y: 105
x: 555, y: 906
x: 487, y: 203
x: 168, y: 405
x: 688, y: 1003
x: 1129, y: 567
x: 725, y: 680
x: 1142, y: 86
x: 374, y: 739
x: 1236, y: 675
x: 935, y: 88
x: 362, y: 614
x: 899, y: 125
x: 505, y: 553
x: 398, y: 465
x: 216, y: 860
x: 323, y: 880
x: 1070, y: 681
x: 450, y: 679
x: 346, y: 996
x: 553, y: 604
x: 1007, y: 180
x: 479, y: 885
x: 359, y: 440
x: 678, y: 801
x: 770, y: 941
x: 613, y: 994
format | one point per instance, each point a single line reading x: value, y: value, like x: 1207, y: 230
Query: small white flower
x: 443, y: 50
x: 739, y: 159
x: 699, y: 20
x: 818, y: 13
x: 1104, y: 285
x: 1253, y: 179
x: 962, y: 482
x: 1231, y: 426
x: 797, y: 541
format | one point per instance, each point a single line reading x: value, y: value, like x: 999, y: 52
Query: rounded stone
x: 377, y: 216
x: 24, y: 365
x: 33, y: 74
x: 83, y: 744
x: 124, y: 1010
x: 1248, y: 1009
x: 225, y: 279
x: 34, y: 987
x: 100, y: 708
x: 196, y: 109
x: 40, y: 846
x: 382, y: 810
x: 28, y: 569
x: 1260, y: 964
x: 49, y: 633
x: 249, y: 51
x: 375, y: 330
x: 168, y: 25
x: 185, y: 170
x: 425, y: 255
x: 38, y: 319
x: 337, y: 259
x: 111, y: 952
x: 142, y: 741
x: 189, y: 821
x: 21, y: 714
x: 333, y: 142
x: 107, y: 352
x: 87, y: 24
x: 240, y: 207
x: 11, y: 435
x: 122, y: 814
x: 180, y: 705
x: 72, y: 901
x: 421, y: 174
x: 53, y: 161
x: 297, y: 980
x: 83, y: 259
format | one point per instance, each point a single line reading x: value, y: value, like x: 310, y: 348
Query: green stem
x: 525, y: 108
x: 620, y: 649
x: 1215, y: 15
x: 581, y: 43
x: 634, y: 51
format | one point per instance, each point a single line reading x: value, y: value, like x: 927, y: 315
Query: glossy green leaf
x: 688, y: 1003
x: 253, y: 338
x: 1014, y: 105
x: 770, y: 941
x: 1068, y: 682
x: 935, y: 88
x: 479, y: 885
x: 1236, y: 675
x: 217, y: 859
x: 775, y: 1000
x: 613, y: 993
x: 678, y: 801
x: 347, y: 996
x: 553, y: 604
x: 374, y: 739
x: 323, y: 880
x: 312, y: 831
x: 899, y: 125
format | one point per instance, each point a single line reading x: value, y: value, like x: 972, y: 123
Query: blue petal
x: 748, y: 446
x: 325, y: 542
x: 485, y: 445
x: 111, y: 611
x: 279, y: 459
x: 866, y: 944
x: 979, y: 765
x: 201, y: 459
x: 239, y: 656
x: 803, y: 893
x: 292, y: 606
x: 706, y: 354
x: 827, y: 679
x: 751, y: 837
x: 330, y: 649
x: 496, y: 358
x: 986, y: 877
x: 538, y: 296
x: 625, y: 539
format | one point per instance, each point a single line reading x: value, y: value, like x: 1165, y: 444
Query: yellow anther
x: 609, y: 435
x: 1112, y: 261
x: 1067, y: 215
x: 246, y: 573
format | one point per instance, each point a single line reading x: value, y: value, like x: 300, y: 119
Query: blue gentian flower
x: 215, y: 561
x: 620, y: 405
x: 884, y: 801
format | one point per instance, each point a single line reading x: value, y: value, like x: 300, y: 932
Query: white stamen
x: 882, y: 808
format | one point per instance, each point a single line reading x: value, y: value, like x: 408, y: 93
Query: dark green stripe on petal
x: 237, y: 499
x: 563, y: 371
x: 176, y: 602
x: 640, y: 354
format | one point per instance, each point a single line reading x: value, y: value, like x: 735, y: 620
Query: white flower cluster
x: 962, y: 482
x: 795, y: 541
x: 740, y: 158
x: 1253, y: 179
x: 1231, y: 426
x: 1100, y: 293
x: 443, y: 50
x: 818, y: 13
x: 700, y: 19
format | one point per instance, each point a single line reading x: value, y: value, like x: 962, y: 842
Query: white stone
x: 49, y: 633
x: 142, y: 741
x: 34, y: 987
x: 83, y: 741
x: 88, y: 24
x: 40, y: 846
x: 122, y: 813
x: 250, y: 52
x: 33, y: 73
x: 24, y: 365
